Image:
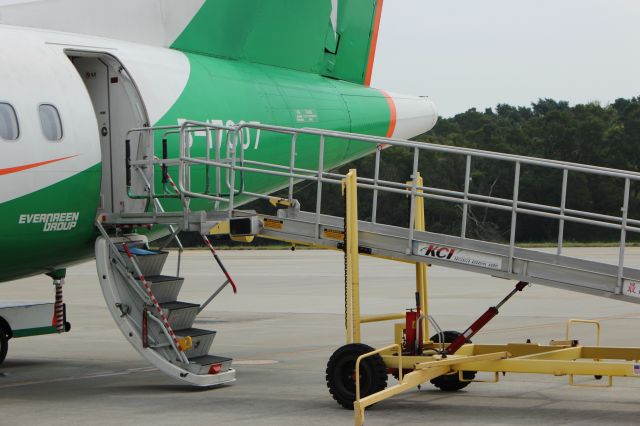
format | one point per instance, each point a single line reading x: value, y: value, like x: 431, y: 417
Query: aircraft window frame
x: 57, y: 127
x: 16, y: 123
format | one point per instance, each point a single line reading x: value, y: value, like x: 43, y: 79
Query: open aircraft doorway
x: 118, y: 108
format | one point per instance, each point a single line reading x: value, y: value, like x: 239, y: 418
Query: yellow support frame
x: 352, y: 264
x: 559, y: 358
x: 510, y: 358
x: 354, y: 319
x: 421, y: 268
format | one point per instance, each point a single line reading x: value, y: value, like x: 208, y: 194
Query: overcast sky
x: 470, y: 53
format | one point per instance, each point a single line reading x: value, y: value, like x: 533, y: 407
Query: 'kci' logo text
x: 438, y: 252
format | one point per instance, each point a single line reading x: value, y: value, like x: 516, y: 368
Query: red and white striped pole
x: 171, y: 182
x: 207, y: 242
x: 224, y: 270
x: 155, y: 302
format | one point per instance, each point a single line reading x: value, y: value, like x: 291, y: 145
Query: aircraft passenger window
x: 9, y: 129
x: 50, y: 121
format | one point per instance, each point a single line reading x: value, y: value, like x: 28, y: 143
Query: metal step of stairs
x: 150, y: 262
x: 165, y: 288
x: 202, y: 341
x: 204, y: 364
x: 181, y: 315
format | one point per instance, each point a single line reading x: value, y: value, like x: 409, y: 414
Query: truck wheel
x: 451, y: 382
x: 4, y: 345
x: 341, y: 374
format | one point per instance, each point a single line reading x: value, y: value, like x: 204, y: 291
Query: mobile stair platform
x: 214, y: 168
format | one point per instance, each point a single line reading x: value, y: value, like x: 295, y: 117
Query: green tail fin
x: 334, y: 38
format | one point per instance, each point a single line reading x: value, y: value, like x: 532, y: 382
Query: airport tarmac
x: 281, y: 328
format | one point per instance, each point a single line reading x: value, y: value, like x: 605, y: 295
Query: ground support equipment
x: 223, y: 175
x: 33, y: 318
x: 417, y: 363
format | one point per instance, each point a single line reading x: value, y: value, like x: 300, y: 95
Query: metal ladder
x: 144, y: 304
x: 233, y: 166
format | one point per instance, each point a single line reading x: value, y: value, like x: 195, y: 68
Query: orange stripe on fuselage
x: 17, y: 169
x: 392, y: 113
x: 374, y: 43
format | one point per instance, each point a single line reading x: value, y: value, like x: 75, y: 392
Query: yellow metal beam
x: 383, y: 317
x: 352, y: 296
x: 554, y: 367
x: 525, y: 349
x: 582, y: 321
x: 456, y: 361
x: 410, y: 380
x: 391, y: 360
x: 558, y: 354
x: 605, y: 352
x: 515, y: 349
x: 421, y: 268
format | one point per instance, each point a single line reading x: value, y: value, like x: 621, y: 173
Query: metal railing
x: 146, y: 299
x: 231, y: 159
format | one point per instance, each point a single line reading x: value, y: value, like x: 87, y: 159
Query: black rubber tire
x: 340, y: 374
x: 4, y: 345
x: 451, y: 382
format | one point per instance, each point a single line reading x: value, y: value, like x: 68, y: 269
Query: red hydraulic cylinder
x: 482, y: 321
x: 411, y: 333
x: 473, y: 329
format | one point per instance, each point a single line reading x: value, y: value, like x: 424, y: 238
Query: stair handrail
x: 146, y: 298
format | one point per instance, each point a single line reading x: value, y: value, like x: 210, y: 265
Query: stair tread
x: 210, y: 359
x: 162, y: 278
x: 193, y: 332
x: 178, y: 305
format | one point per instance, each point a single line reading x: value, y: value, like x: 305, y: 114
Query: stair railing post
x: 376, y: 177
x: 319, y: 187
x: 465, y: 206
x: 207, y: 172
x: 292, y: 165
x: 218, y: 169
x: 514, y: 215
x: 563, y: 204
x: 623, y: 235
x: 232, y: 174
x: 412, y: 218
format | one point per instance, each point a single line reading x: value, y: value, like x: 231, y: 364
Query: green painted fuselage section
x: 29, y: 248
x: 225, y: 91
x: 218, y: 90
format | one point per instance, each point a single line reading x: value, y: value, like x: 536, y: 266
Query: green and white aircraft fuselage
x: 68, y: 98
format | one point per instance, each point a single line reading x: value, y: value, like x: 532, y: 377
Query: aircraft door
x: 95, y: 75
x: 118, y: 108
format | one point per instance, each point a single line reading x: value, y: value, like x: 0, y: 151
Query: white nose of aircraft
x: 414, y: 115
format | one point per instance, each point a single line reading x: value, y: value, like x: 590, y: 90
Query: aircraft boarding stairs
x: 215, y: 173
x: 145, y: 304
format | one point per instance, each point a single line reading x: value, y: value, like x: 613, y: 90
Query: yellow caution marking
x: 222, y: 228
x: 273, y: 224
x: 185, y: 343
x: 333, y: 234
x: 281, y: 202
x: 243, y: 239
